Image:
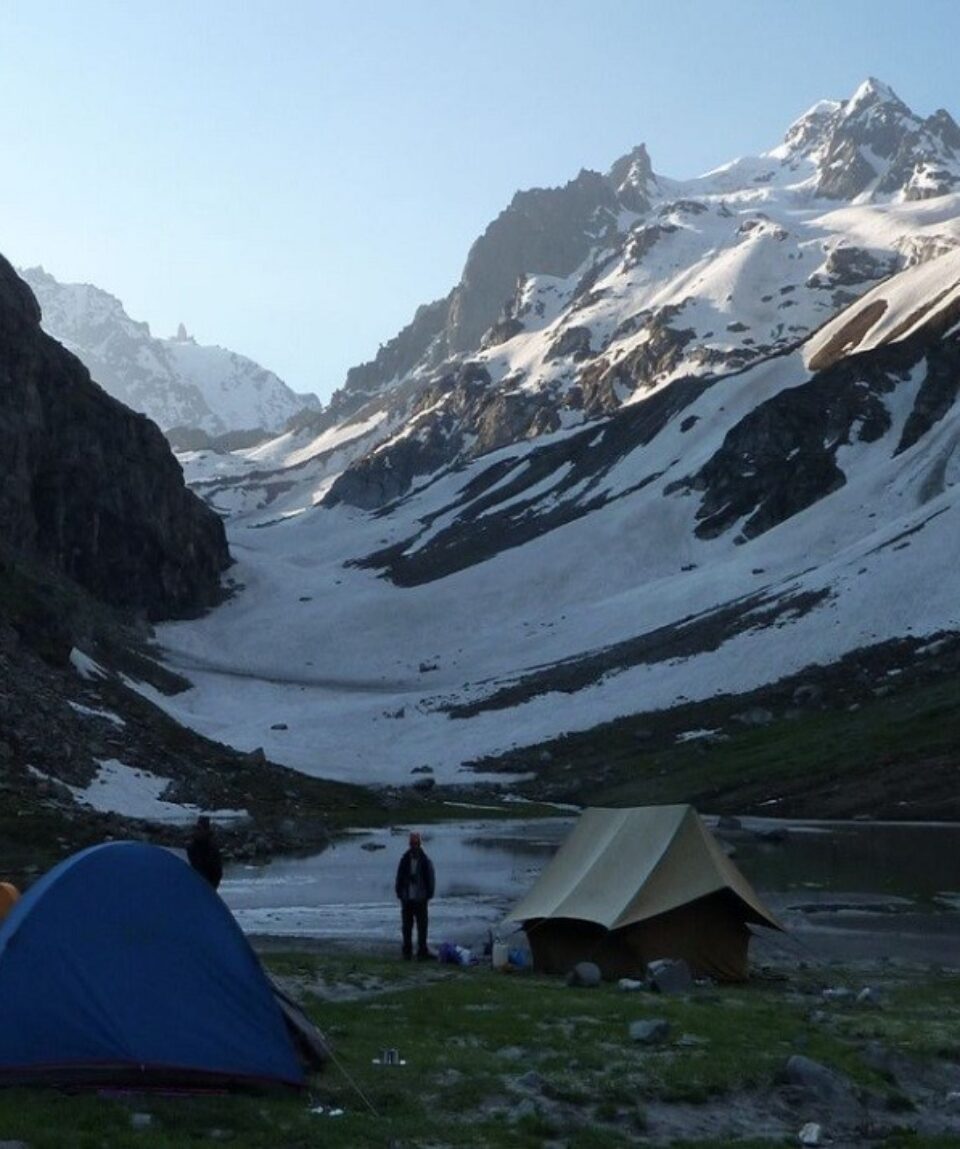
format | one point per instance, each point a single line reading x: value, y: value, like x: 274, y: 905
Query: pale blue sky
x: 291, y: 178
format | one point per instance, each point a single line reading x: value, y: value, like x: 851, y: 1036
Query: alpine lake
x: 844, y: 891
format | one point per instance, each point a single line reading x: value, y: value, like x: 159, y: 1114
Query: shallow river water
x: 844, y: 890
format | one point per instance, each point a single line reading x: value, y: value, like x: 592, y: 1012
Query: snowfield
x: 335, y: 665
x: 335, y: 671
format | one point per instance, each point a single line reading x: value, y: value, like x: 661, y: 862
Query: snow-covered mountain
x: 176, y: 382
x: 710, y: 441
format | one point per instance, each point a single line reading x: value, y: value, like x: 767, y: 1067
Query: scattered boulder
x: 651, y: 1031
x: 817, y: 1080
x: 811, y: 1134
x: 669, y: 975
x: 630, y: 984
x: 585, y: 975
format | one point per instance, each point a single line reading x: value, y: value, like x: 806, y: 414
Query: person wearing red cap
x: 414, y: 886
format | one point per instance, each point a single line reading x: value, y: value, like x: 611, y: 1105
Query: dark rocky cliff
x: 89, y: 487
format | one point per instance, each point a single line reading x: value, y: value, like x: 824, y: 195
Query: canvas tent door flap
x: 123, y: 967
x: 631, y: 886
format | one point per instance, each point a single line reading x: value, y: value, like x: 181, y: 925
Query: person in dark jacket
x: 414, y: 886
x: 203, y: 853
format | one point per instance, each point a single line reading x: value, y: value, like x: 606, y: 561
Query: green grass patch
x: 903, y: 746
x: 505, y: 1060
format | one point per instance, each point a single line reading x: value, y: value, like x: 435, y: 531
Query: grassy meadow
x: 514, y: 1059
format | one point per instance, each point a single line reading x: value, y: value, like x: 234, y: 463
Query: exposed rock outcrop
x: 546, y: 230
x: 782, y: 456
x: 458, y: 418
x: 91, y: 488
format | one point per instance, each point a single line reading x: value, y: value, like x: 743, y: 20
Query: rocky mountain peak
x: 176, y: 382
x: 873, y: 95
x: 633, y: 180
x: 808, y: 133
x: 868, y: 149
x: 876, y: 118
x: 546, y: 230
x: 874, y: 146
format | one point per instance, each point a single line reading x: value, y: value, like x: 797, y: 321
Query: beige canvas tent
x: 630, y: 886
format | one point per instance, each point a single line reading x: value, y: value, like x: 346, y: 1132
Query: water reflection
x: 348, y: 890
x: 919, y: 862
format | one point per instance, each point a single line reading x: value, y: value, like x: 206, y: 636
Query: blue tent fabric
x: 122, y: 964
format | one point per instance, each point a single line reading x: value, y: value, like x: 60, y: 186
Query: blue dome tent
x: 122, y: 966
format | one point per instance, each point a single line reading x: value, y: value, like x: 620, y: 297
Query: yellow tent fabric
x: 631, y: 885
x: 9, y: 896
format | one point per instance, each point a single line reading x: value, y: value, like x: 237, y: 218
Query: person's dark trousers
x: 414, y: 912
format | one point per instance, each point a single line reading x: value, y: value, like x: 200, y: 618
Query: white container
x: 499, y: 954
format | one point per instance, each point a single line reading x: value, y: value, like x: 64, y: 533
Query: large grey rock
x: 811, y: 1134
x: 585, y: 975
x: 817, y: 1080
x: 669, y: 975
x: 649, y: 1031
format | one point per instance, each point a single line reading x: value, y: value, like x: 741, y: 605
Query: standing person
x: 203, y: 852
x: 414, y: 886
